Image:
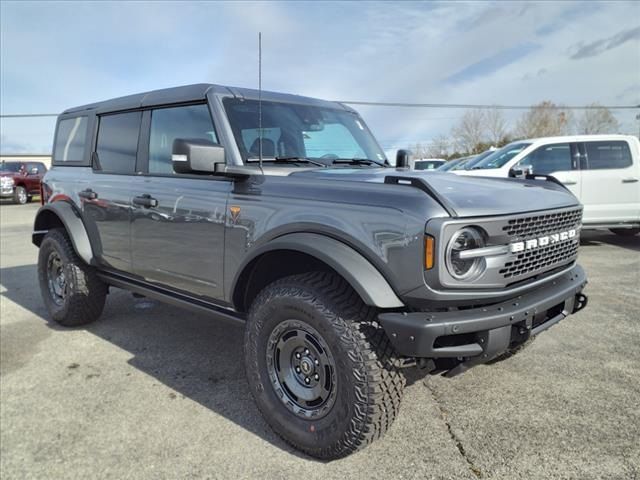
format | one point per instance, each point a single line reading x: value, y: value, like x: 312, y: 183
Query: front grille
x: 541, y: 259
x: 542, y: 224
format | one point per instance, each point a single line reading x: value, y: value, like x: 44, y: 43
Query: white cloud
x: 57, y: 55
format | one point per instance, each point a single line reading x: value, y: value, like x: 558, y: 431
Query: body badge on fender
x: 235, y: 213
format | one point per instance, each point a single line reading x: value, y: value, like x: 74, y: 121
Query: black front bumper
x: 477, y: 335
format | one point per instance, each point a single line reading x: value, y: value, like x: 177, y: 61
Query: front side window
x: 299, y: 131
x: 70, y: 140
x: 13, y: 167
x: 501, y: 157
x: 167, y: 124
x: 427, y: 165
x: 118, y: 142
x: 608, y: 154
x: 548, y: 159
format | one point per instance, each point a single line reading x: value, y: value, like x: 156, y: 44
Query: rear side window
x: 608, y: 154
x: 167, y: 124
x: 548, y: 159
x: 71, y: 139
x: 117, y: 144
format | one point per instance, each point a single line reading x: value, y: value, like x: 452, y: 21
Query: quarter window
x: 167, y: 124
x: 608, y: 154
x: 118, y: 142
x: 70, y: 140
x: 548, y: 159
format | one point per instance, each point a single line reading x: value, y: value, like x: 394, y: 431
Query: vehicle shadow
x: 590, y: 238
x: 197, y: 356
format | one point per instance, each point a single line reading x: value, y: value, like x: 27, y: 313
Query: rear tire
x: 71, y: 289
x: 318, y: 319
x: 625, y: 232
x: 20, y: 196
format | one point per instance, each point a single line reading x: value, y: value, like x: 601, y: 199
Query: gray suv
x: 282, y: 212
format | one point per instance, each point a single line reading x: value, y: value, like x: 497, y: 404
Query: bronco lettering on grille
x: 516, y: 247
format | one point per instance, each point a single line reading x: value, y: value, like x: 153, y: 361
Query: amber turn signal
x: 429, y: 252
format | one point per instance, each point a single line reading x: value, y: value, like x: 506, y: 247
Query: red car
x: 21, y: 180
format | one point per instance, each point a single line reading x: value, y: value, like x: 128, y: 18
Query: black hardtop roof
x: 192, y: 93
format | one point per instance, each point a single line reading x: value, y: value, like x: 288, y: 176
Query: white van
x: 602, y: 171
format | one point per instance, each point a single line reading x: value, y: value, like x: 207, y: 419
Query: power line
x: 498, y: 107
x: 28, y: 115
x: 418, y: 105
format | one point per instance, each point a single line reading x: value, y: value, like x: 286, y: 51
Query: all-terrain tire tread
x: 378, y: 384
x: 86, y: 293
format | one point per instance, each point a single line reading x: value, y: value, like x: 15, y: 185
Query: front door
x: 178, y: 221
x: 559, y: 160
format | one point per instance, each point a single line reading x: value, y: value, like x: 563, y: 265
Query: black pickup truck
x: 282, y: 212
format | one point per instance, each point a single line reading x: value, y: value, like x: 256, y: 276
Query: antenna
x: 260, y: 98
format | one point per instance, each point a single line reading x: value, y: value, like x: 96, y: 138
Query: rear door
x: 106, y: 199
x: 610, y: 182
x: 178, y: 231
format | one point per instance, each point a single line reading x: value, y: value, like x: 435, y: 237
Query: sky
x: 55, y: 55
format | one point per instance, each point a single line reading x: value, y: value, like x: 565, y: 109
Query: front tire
x: 71, y: 289
x: 625, y: 232
x: 320, y: 368
x: 20, y: 196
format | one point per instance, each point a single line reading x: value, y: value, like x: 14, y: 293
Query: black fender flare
x: 73, y: 224
x: 363, y: 277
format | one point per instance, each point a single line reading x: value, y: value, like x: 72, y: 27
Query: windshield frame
x: 486, y: 163
x: 370, y: 146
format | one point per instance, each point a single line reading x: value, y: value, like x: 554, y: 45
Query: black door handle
x: 145, y: 200
x: 88, y: 194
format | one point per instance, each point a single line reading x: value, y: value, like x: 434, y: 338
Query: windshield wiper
x: 358, y: 161
x: 289, y: 160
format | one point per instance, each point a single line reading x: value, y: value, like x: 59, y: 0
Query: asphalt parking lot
x: 151, y: 391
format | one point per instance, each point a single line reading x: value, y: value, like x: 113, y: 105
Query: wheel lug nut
x: 297, y: 355
x: 317, y: 362
x: 306, y: 380
x: 297, y: 369
x: 317, y: 377
x: 306, y: 350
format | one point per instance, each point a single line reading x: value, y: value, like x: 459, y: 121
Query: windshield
x: 291, y: 131
x: 500, y: 157
x: 451, y: 164
x: 10, y: 166
x: 470, y: 163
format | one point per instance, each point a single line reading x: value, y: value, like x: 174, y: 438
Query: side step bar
x: 172, y: 298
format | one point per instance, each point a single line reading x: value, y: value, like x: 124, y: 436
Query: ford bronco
x: 283, y: 213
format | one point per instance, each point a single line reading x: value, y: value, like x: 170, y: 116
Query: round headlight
x: 466, y: 238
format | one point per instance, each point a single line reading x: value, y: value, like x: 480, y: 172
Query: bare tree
x: 419, y: 151
x: 439, y: 147
x: 598, y: 120
x: 544, y: 120
x: 496, y: 126
x: 470, y: 132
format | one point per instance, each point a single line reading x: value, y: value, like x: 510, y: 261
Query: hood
x: 467, y: 196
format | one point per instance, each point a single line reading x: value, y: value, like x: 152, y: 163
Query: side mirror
x: 196, y: 156
x: 402, y: 158
x: 520, y: 172
x: 34, y: 171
